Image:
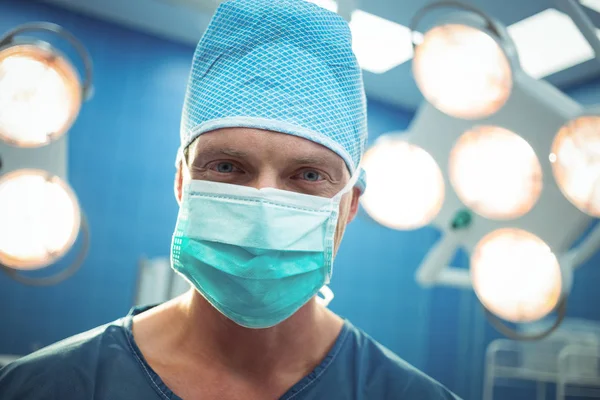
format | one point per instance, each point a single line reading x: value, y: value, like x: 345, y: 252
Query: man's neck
x: 200, y: 333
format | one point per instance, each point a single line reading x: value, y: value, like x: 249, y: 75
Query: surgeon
x: 272, y: 134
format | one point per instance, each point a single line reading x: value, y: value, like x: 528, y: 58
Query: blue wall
x: 121, y: 155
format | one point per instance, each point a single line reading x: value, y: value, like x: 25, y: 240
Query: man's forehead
x: 245, y: 142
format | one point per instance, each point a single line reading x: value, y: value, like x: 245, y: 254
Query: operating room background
x: 121, y: 165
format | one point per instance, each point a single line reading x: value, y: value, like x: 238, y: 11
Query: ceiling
x: 185, y: 20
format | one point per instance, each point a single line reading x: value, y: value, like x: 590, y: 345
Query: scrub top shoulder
x: 106, y: 364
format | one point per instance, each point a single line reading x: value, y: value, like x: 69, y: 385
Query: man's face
x: 260, y: 159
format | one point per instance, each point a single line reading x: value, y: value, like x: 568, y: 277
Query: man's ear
x: 354, y: 204
x: 178, y: 185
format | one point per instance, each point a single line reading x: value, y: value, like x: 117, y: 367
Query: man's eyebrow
x: 313, y: 160
x: 233, y: 153
x: 221, y: 151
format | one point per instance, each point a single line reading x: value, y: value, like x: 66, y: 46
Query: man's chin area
x: 312, y: 311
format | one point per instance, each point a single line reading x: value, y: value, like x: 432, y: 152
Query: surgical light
x: 40, y: 97
x: 406, y: 187
x: 40, y: 91
x: 495, y: 172
x: 522, y: 239
x: 40, y: 219
x: 516, y: 276
x: 462, y: 71
x: 575, y: 161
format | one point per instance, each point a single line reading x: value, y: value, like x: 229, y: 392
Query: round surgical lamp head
x: 406, y: 187
x: 516, y: 276
x: 575, y: 159
x: 495, y: 172
x: 40, y: 219
x: 40, y: 90
x: 463, y: 66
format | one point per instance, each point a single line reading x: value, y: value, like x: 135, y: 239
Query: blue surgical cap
x: 280, y: 65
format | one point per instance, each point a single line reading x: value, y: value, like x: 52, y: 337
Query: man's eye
x: 311, y: 176
x: 224, y: 167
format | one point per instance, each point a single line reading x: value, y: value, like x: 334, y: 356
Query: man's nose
x: 266, y: 179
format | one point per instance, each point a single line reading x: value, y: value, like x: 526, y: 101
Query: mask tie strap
x: 332, y: 224
x: 327, y: 294
x: 349, y: 186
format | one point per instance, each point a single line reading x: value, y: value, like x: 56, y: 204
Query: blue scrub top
x: 106, y: 364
